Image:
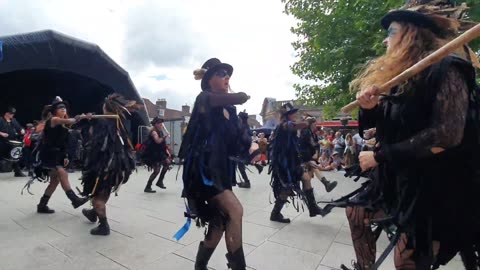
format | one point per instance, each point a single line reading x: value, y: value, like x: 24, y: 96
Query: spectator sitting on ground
x: 350, y: 151
x: 335, y: 163
x: 339, y: 144
x: 254, y: 137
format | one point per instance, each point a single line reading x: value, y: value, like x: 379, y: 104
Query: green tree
x: 335, y: 38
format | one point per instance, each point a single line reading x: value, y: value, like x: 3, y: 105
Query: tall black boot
x: 76, y: 201
x: 162, y: 176
x: 236, y: 261
x: 17, y: 171
x: 313, y: 207
x: 102, y: 229
x: 246, y: 184
x: 276, y: 215
x: 42, y: 207
x: 90, y: 214
x: 148, y: 187
x: 203, y: 256
x: 329, y: 186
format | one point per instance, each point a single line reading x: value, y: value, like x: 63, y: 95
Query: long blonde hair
x: 415, y: 44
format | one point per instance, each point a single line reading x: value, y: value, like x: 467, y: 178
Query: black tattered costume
x: 424, y: 196
x: 424, y: 189
x: 155, y: 155
x: 209, y: 144
x: 288, y: 167
x: 210, y: 147
x: 109, y: 160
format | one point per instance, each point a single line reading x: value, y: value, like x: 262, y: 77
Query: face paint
x: 392, y: 31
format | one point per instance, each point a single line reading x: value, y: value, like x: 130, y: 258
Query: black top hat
x: 416, y: 18
x: 288, y: 108
x: 156, y: 120
x: 57, y: 102
x: 208, y: 70
x: 243, y: 115
x: 11, y: 110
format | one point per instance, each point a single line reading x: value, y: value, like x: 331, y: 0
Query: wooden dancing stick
x: 107, y: 116
x: 433, y: 58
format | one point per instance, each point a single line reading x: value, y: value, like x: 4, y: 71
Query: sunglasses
x: 221, y: 74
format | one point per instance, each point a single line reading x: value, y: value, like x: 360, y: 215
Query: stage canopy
x: 36, y: 67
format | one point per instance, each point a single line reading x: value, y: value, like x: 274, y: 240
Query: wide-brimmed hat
x: 288, y: 109
x: 208, y: 70
x: 157, y: 120
x: 57, y: 101
x: 440, y: 26
x: 243, y: 115
x: 11, y: 110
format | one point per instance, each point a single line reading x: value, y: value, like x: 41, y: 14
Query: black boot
x: 313, y: 207
x: 236, y: 261
x: 42, y: 207
x: 259, y: 168
x: 276, y: 215
x: 76, y: 201
x: 160, y: 179
x: 18, y: 172
x: 148, y: 187
x: 355, y: 266
x: 329, y: 186
x: 102, y: 229
x: 245, y: 184
x: 90, y: 214
x: 203, y: 256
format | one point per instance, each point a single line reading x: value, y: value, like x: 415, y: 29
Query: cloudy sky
x: 161, y: 42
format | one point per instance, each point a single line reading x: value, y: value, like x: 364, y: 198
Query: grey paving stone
x: 218, y: 260
x: 276, y: 256
x: 170, y: 262
x: 29, y: 256
x: 143, y: 226
x: 141, y: 251
x: 311, y: 234
x: 255, y: 235
x: 344, y: 254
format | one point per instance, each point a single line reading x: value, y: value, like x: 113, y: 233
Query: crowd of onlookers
x: 337, y: 149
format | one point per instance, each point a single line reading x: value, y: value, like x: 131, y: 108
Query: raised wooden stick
x: 110, y: 116
x: 433, y: 58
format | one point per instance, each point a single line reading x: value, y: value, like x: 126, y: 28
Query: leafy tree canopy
x: 335, y: 38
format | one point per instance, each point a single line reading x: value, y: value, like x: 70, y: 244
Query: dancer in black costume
x: 423, y: 169
x: 309, y: 152
x: 109, y: 160
x: 287, y: 169
x: 155, y: 155
x: 211, y: 139
x: 53, y: 154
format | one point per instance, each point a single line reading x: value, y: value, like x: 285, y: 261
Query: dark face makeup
x: 393, y: 35
x: 61, y: 110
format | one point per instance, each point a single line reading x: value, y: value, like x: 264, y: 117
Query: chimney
x: 186, y: 109
x: 161, y: 103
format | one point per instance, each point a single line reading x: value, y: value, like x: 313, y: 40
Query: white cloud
x: 172, y: 38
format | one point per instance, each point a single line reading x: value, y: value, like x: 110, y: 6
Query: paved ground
x: 143, y: 225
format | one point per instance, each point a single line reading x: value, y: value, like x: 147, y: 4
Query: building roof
x: 252, y: 121
x: 169, y: 114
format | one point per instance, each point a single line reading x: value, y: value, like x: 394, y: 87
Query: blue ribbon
x: 179, y: 235
x: 1, y: 50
